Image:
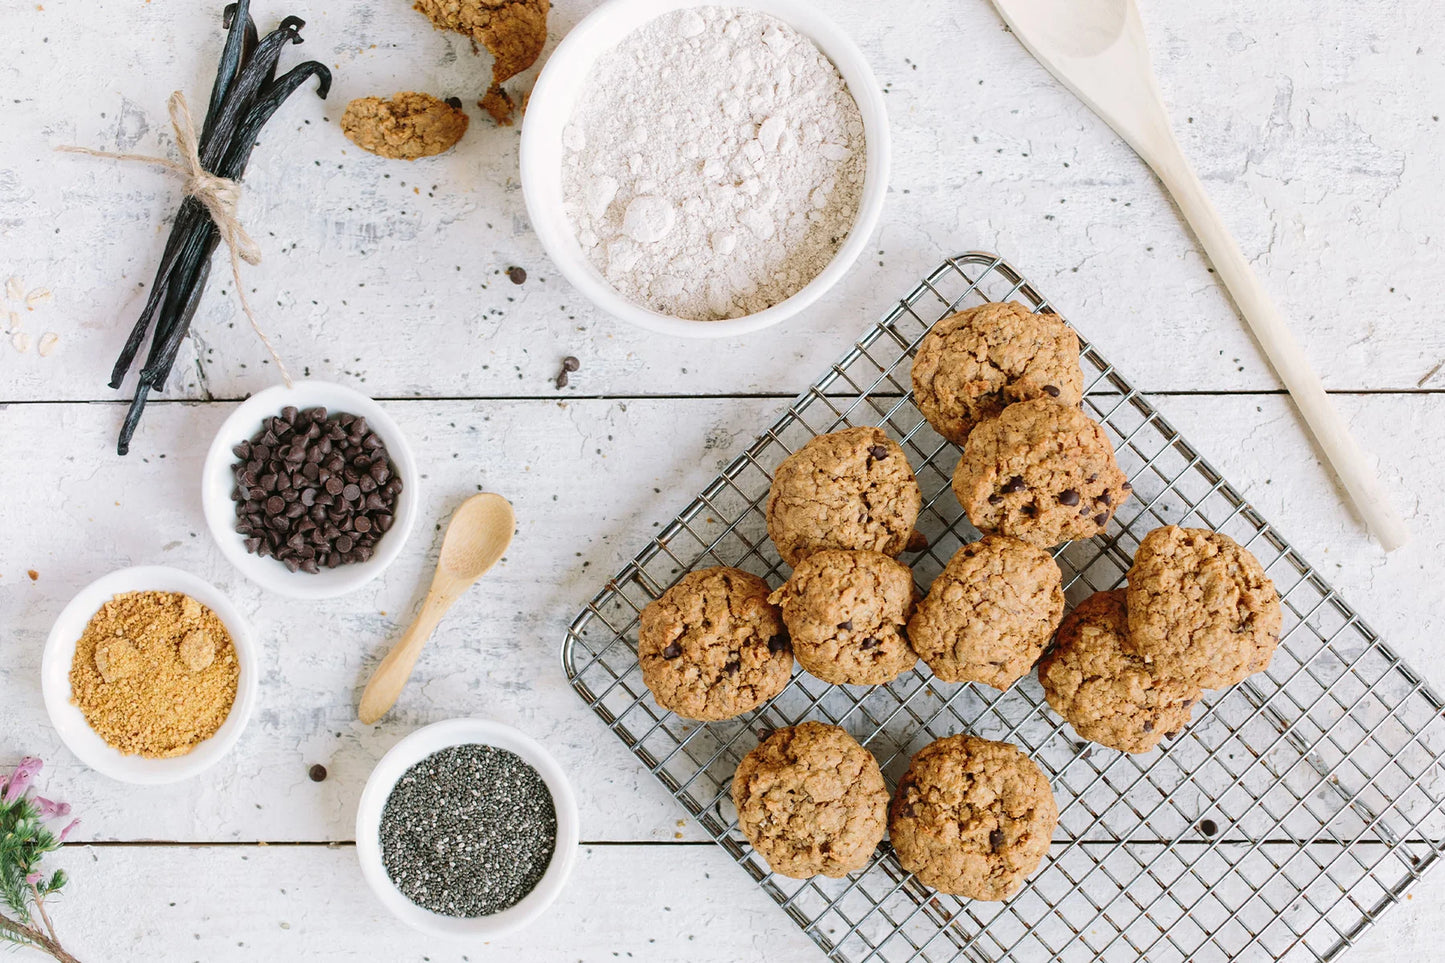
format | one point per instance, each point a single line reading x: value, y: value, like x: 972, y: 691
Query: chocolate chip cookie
x: 975, y: 363
x: 846, y: 613
x: 989, y: 613
x: 1202, y: 603
x: 811, y: 800
x: 1108, y: 694
x: 1041, y: 471
x: 847, y: 489
x: 972, y: 817
x: 712, y: 646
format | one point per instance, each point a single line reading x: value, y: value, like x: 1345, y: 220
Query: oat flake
x: 47, y: 345
x: 20, y: 341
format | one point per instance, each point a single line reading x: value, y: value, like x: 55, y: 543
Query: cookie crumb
x: 498, y: 104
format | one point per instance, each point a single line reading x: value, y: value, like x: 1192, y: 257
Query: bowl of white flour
x: 705, y: 169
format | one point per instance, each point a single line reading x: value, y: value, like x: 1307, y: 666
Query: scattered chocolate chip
x: 1171, y: 735
x: 846, y: 626
x: 1068, y: 497
x: 878, y: 452
x: 317, y: 773
x: 516, y: 274
x: 1148, y: 725
x: 1106, y: 498
x: 1101, y: 519
x: 455, y: 103
x: 1014, y: 484
x: 1051, y: 390
x: 1028, y: 511
x: 870, y: 644
x: 1091, y: 479
x: 569, y: 363
x: 995, y: 499
x: 1189, y: 703
x: 779, y: 643
x: 732, y: 667
x: 1127, y: 487
x: 1208, y: 827
x: 995, y: 839
x: 672, y: 651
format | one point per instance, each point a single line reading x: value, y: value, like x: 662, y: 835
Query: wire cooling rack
x: 1293, y: 811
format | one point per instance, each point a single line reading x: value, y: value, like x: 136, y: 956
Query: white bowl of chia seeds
x: 467, y: 829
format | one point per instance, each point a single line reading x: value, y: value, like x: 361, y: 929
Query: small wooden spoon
x: 478, y: 534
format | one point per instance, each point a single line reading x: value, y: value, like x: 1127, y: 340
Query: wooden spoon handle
x: 1280, y: 345
x: 392, y: 674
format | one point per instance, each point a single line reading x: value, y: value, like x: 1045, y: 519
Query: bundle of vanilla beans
x: 246, y: 93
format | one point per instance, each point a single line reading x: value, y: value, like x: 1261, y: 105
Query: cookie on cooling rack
x: 1202, y: 603
x: 848, y: 489
x: 973, y: 364
x: 972, y: 817
x: 1108, y: 694
x: 712, y: 646
x: 1041, y: 471
x: 846, y: 613
x: 989, y: 613
x: 811, y: 800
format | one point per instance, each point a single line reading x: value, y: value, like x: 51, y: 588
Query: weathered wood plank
x: 391, y: 274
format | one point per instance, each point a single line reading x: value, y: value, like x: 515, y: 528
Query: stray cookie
x: 811, y: 800
x: 989, y: 613
x: 712, y: 647
x: 846, y: 613
x: 848, y: 489
x: 972, y: 817
x: 1108, y: 694
x: 1041, y: 471
x: 975, y: 363
x: 513, y: 31
x: 1203, y: 604
x: 408, y: 126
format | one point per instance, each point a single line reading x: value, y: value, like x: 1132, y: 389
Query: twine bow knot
x: 220, y: 196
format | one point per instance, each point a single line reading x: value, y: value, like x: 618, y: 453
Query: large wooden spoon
x: 478, y: 534
x: 1096, y: 48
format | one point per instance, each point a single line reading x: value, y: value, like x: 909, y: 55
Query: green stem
x: 38, y: 939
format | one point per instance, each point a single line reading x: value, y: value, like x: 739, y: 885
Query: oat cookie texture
x: 406, y: 127
x: 990, y: 612
x: 848, y: 489
x: 972, y: 817
x: 712, y: 646
x: 1108, y: 694
x: 1203, y: 604
x: 811, y: 800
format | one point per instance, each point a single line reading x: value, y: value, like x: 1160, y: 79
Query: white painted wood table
x: 1315, y: 126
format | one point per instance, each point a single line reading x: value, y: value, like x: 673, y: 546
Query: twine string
x: 220, y: 196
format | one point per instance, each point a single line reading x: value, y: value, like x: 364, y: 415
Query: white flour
x: 713, y: 164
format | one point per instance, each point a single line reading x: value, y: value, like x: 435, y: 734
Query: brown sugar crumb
x: 155, y: 673
x: 408, y: 126
x: 498, y: 103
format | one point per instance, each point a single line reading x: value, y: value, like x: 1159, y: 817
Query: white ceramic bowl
x: 70, y: 722
x: 217, y: 481
x: 413, y: 749
x: 550, y: 108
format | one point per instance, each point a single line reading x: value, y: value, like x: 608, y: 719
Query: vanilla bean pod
x: 246, y: 93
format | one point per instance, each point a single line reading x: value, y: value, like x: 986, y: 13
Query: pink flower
x: 51, y: 810
x: 66, y: 831
x: 34, y: 878
x: 20, y: 778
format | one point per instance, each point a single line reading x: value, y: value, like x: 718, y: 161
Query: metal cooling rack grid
x: 1294, y: 810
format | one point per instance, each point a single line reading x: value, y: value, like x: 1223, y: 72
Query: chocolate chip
x: 779, y: 643
x: 455, y: 103
x: 878, y: 452
x: 1127, y: 487
x: 1028, y: 511
x: 1051, y: 390
x: 1189, y: 703
x: 1106, y: 498
x: 1148, y: 725
x: 732, y: 667
x: 317, y: 773
x: 870, y: 644
x: 995, y: 499
x: 672, y: 651
x: 569, y: 363
x: 1101, y: 519
x: 1014, y: 484
x: 1068, y: 497
x: 516, y: 274
x: 996, y: 839
x: 1091, y: 479
x: 846, y: 626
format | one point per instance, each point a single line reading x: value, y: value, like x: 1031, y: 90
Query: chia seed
x: 468, y: 831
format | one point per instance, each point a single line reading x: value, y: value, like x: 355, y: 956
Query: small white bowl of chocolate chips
x: 310, y: 490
